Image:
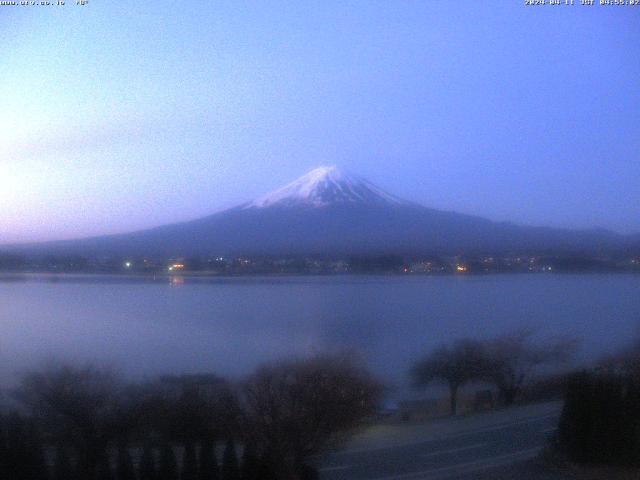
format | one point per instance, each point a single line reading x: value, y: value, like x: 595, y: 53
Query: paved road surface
x: 461, y: 448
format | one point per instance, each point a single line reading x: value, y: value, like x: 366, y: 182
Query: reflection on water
x: 228, y: 325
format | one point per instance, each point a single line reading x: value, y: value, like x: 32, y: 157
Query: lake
x: 229, y: 325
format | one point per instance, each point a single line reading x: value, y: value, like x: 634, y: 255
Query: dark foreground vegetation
x: 600, y: 422
x: 87, y: 423
x: 506, y: 362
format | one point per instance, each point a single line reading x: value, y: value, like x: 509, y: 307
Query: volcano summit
x: 325, y: 186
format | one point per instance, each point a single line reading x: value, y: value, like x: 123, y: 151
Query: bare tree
x: 510, y: 360
x: 188, y: 409
x: 78, y: 406
x: 295, y: 409
x: 454, y: 365
x: 194, y: 408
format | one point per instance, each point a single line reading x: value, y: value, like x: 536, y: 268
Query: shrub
x: 600, y: 422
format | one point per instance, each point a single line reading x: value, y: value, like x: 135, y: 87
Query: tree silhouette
x: 510, y: 360
x: 600, y: 420
x: 25, y: 456
x: 3, y: 449
x: 189, y: 463
x: 250, y: 462
x: 208, y: 469
x: 190, y: 408
x: 454, y: 365
x: 147, y: 466
x: 230, y: 468
x: 295, y: 409
x: 168, y: 468
x: 62, y: 467
x: 38, y: 467
x: 103, y: 467
x: 124, y: 468
x: 81, y: 406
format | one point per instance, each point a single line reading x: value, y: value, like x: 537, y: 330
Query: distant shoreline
x: 201, y: 277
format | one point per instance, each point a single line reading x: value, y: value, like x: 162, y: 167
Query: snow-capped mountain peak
x: 323, y: 186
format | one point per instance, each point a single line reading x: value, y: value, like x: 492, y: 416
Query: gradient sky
x: 122, y: 115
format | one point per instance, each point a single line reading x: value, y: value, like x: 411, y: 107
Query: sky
x: 117, y: 116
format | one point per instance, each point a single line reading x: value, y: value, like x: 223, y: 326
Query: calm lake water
x: 230, y: 325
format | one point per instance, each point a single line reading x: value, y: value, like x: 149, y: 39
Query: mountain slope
x: 329, y: 212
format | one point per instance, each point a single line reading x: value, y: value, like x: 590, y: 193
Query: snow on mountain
x: 323, y: 186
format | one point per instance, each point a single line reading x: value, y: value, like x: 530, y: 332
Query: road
x: 461, y: 448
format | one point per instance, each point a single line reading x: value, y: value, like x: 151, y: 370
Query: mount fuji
x: 331, y: 212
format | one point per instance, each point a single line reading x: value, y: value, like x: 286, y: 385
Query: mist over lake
x: 229, y: 325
